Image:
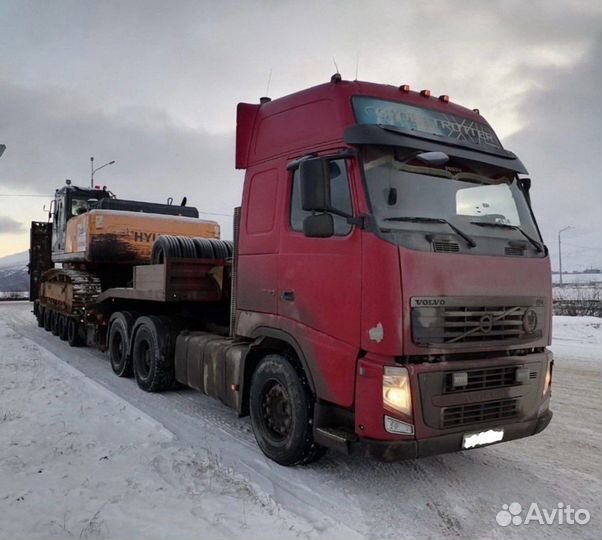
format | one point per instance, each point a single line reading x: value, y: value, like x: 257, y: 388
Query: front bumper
x: 398, y: 450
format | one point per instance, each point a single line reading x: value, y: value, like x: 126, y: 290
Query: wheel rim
x: 117, y: 349
x: 276, y: 414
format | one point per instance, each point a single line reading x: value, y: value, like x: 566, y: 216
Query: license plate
x: 482, y: 438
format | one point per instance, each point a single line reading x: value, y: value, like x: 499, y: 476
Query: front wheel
x: 281, y: 408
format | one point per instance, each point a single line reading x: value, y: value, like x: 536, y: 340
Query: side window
x: 340, y: 198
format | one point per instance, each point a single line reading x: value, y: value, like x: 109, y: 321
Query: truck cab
x: 388, y: 238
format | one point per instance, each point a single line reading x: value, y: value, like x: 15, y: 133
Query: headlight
x: 548, y: 380
x: 396, y: 390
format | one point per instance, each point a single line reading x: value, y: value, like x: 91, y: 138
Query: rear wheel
x: 47, y: 318
x: 281, y: 408
x: 153, y: 354
x: 118, y: 343
x: 73, y: 336
x: 62, y: 323
x: 40, y: 316
x: 54, y: 323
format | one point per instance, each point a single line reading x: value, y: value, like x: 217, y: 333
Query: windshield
x: 78, y: 206
x: 477, y: 198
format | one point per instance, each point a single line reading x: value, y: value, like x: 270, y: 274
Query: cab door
x: 319, y: 292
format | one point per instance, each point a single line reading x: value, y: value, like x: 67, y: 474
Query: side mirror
x: 318, y: 226
x: 314, y: 175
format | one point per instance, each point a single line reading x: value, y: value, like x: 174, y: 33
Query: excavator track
x: 68, y: 291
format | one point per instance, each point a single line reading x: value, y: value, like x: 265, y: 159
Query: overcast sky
x: 154, y: 85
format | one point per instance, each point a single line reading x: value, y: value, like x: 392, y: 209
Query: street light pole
x: 93, y: 170
x: 560, y: 252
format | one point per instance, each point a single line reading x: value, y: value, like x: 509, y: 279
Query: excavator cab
x: 71, y: 201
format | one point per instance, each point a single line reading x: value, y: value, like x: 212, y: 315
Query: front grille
x: 445, y: 246
x: 479, y: 379
x: 462, y: 415
x: 467, y: 324
x: 460, y: 321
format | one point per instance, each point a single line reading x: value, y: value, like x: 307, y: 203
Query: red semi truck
x: 389, y: 292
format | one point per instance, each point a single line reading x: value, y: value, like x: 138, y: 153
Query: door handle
x: 288, y: 296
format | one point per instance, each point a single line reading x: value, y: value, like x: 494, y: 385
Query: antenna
x: 335, y: 65
x: 267, y: 88
x: 357, y: 64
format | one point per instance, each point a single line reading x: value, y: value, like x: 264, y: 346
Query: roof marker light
x: 425, y: 93
x: 444, y: 98
x: 476, y: 111
x: 405, y: 88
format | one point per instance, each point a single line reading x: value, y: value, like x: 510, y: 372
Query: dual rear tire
x: 143, y: 347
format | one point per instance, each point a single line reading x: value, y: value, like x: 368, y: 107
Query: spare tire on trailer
x: 204, y: 249
x: 118, y: 342
x: 153, y: 350
x: 220, y: 248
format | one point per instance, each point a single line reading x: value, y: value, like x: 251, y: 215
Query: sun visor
x: 389, y: 136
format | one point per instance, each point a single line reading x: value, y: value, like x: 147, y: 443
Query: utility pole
x: 560, y: 252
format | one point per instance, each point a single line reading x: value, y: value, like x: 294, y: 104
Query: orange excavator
x: 97, y: 239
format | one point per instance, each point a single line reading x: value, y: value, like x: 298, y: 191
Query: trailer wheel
x: 62, y: 324
x: 153, y: 354
x: 40, y: 316
x: 120, y: 330
x: 73, y: 336
x: 54, y: 323
x: 281, y: 408
x: 47, y: 319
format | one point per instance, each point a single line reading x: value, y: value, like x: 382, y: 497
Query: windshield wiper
x: 532, y: 241
x: 420, y: 219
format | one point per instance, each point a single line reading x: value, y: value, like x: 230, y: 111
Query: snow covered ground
x: 87, y: 455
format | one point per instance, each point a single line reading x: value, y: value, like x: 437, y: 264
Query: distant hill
x: 13, y: 273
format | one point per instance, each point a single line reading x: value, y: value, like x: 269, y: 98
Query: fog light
x: 396, y: 390
x: 397, y: 426
x: 459, y: 379
x: 548, y: 380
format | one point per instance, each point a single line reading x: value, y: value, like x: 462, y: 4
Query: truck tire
x: 153, y: 354
x: 281, y: 408
x: 54, y: 323
x: 73, y: 336
x: 63, y: 322
x: 40, y: 316
x: 47, y: 319
x: 118, y: 343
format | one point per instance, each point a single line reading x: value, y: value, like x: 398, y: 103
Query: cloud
x: 561, y: 144
x: 154, y: 86
x: 51, y: 136
x: 10, y: 226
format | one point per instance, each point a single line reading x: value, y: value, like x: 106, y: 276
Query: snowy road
x: 450, y: 496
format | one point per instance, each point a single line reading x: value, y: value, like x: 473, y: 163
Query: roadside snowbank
x: 77, y: 461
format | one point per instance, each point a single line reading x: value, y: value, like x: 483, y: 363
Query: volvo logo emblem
x: 530, y: 321
x: 486, y: 323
